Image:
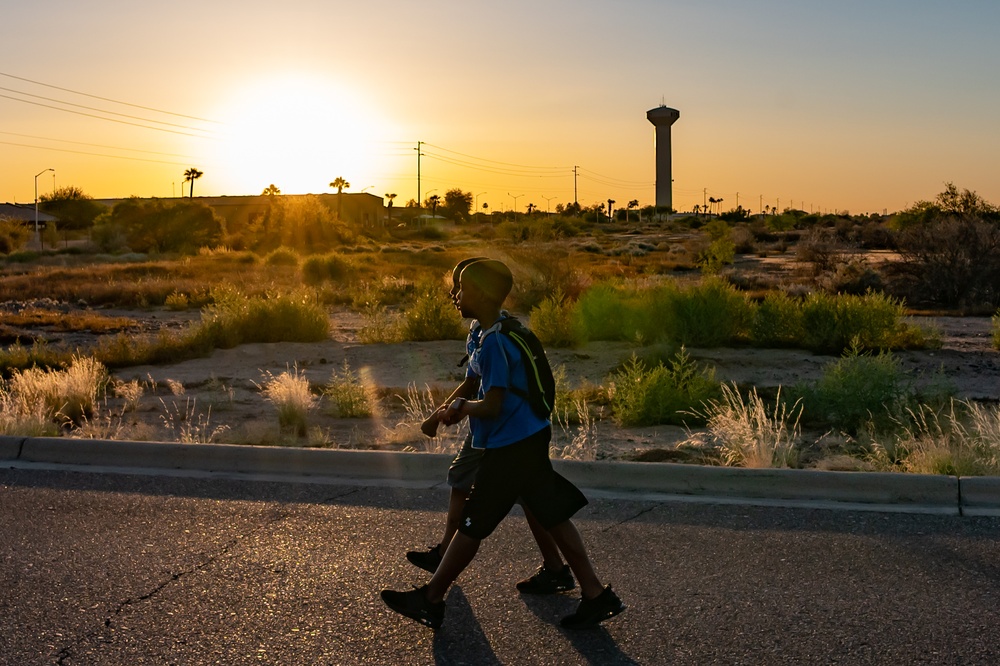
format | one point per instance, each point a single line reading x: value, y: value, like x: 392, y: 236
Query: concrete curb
x: 856, y: 490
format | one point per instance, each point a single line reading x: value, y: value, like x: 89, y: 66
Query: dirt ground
x: 221, y: 394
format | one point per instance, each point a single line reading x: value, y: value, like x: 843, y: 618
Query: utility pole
x: 737, y: 200
x: 576, y: 200
x: 418, y: 172
x: 704, y: 197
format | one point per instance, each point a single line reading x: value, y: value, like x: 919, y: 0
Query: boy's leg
x: 460, y: 553
x: 570, y: 543
x: 551, y: 559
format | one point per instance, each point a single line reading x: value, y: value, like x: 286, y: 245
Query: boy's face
x: 467, y: 299
x: 456, y: 287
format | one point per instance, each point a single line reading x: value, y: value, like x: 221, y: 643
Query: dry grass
x: 289, y: 392
x: 67, y: 395
x: 749, y: 433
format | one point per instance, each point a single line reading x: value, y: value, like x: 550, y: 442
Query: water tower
x: 662, y: 118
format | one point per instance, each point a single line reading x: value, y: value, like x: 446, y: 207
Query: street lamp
x: 368, y: 187
x: 515, y: 201
x: 547, y: 200
x: 476, y: 207
x: 36, y: 199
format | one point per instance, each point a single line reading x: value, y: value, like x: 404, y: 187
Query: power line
x: 91, y: 108
x: 482, y: 159
x: 82, y: 152
x: 107, y: 99
x: 95, y: 145
x: 112, y: 120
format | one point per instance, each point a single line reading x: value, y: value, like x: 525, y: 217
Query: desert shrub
x: 348, y: 396
x: 432, y: 316
x: 236, y: 319
x: 155, y: 225
x: 289, y: 392
x: 13, y: 235
x: 603, y: 312
x: 854, y: 276
x: 64, y: 395
x: 777, y: 321
x: 554, y: 323
x: 709, y: 314
x: 750, y: 433
x: 541, y: 273
x: 323, y: 268
x: 282, y: 256
x: 832, y: 323
x: 380, y: 326
x: 860, y: 390
x: 995, y: 330
x: 189, y: 425
x: 643, y: 395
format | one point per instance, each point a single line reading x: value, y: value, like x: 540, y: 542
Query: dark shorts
x: 465, y: 466
x: 519, y: 472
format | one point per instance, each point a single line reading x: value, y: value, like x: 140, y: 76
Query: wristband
x: 457, y: 403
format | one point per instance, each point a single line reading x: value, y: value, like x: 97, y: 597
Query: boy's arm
x: 467, y: 389
x: 487, y: 408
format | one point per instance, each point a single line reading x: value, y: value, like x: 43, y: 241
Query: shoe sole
x: 551, y: 590
x: 416, y: 617
x: 596, y: 621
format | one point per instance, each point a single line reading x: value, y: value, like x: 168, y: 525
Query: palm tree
x: 611, y: 203
x: 341, y: 185
x: 531, y: 207
x: 271, y: 190
x: 390, y: 197
x: 632, y: 204
x: 192, y: 175
x: 434, y: 200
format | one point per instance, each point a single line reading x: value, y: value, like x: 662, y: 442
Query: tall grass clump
x: 777, y: 322
x: 860, y: 390
x: 319, y: 268
x: 65, y: 395
x: 750, y: 433
x: 349, y: 397
x: 282, y: 256
x: 961, y: 440
x: 649, y: 395
x: 24, y: 416
x: 236, y: 319
x: 289, y: 392
x: 432, y: 316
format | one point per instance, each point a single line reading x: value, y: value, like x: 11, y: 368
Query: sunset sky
x: 851, y: 105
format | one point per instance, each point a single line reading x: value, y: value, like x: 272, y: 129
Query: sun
x: 297, y: 132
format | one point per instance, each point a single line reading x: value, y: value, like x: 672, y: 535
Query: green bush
x: 858, y: 391
x: 553, y: 322
x: 709, y: 314
x: 643, y: 395
x: 777, y: 322
x: 319, y: 268
x: 833, y: 323
x: 432, y: 317
x: 282, y: 256
x: 996, y: 330
x: 348, y: 395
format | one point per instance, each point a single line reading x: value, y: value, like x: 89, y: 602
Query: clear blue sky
x: 851, y: 105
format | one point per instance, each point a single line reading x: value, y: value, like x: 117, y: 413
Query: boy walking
x: 553, y: 576
x: 515, y: 464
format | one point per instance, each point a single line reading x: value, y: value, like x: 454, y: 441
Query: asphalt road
x: 111, y: 569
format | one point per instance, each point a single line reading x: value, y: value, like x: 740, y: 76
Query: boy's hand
x: 453, y: 414
x: 430, y: 425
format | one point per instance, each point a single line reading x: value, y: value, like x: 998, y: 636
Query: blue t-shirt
x: 498, y: 363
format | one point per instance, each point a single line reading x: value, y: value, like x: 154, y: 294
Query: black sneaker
x: 428, y: 560
x: 547, y: 582
x: 414, y: 605
x: 591, y: 612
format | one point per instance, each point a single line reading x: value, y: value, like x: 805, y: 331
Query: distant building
x: 24, y: 212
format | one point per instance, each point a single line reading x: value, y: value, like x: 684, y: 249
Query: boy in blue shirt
x: 515, y: 464
x: 553, y: 576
